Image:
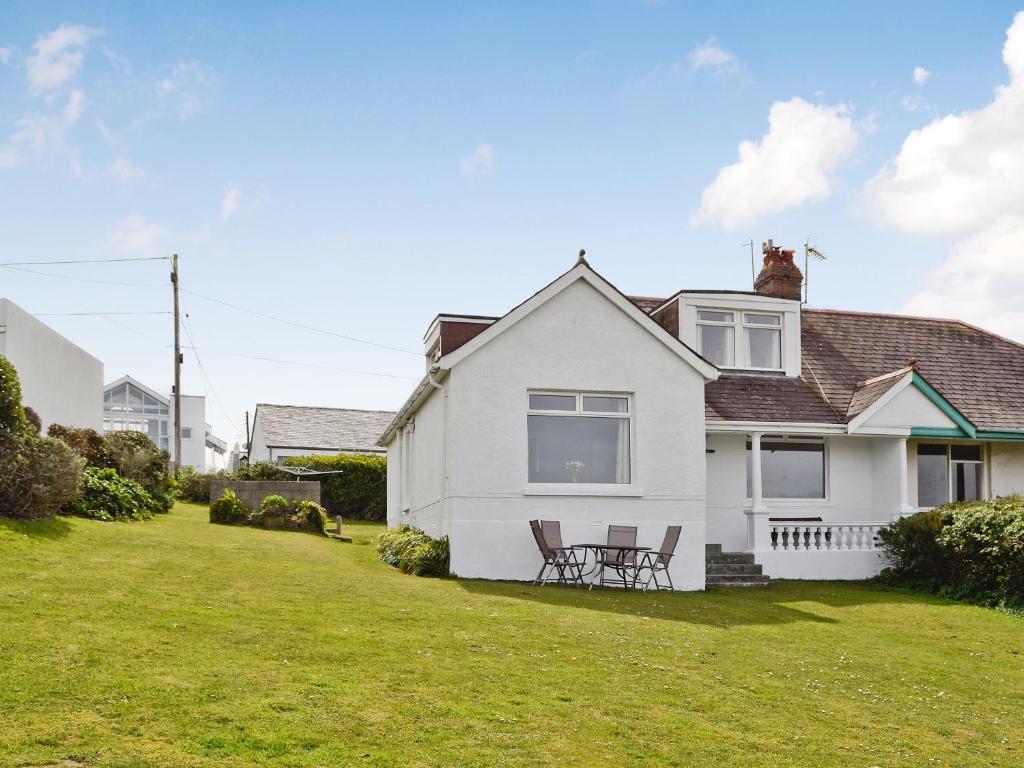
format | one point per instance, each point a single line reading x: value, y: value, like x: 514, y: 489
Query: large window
x: 578, y: 438
x: 760, y: 335
x: 948, y: 473
x: 789, y: 470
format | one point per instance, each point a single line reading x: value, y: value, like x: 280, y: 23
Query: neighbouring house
x: 757, y: 424
x: 129, y: 404
x: 297, y: 430
x: 59, y: 380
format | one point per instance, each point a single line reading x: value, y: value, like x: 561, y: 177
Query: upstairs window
x: 578, y: 438
x: 759, y: 333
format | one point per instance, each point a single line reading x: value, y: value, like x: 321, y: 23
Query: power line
x: 300, y: 325
x: 84, y: 279
x: 223, y: 410
x: 93, y: 314
x: 322, y: 367
x: 82, y: 261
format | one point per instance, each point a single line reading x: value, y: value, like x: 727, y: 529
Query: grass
x: 178, y: 643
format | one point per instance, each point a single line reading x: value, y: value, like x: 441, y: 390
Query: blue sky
x: 361, y: 167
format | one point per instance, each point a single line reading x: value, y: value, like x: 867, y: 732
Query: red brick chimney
x: 779, y: 277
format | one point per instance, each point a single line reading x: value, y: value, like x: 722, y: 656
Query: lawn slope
x: 179, y: 643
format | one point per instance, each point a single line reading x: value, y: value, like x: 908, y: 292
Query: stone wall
x: 252, y: 492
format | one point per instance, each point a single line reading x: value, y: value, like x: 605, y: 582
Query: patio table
x: 599, y: 551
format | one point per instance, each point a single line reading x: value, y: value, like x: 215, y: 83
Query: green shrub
x: 32, y: 420
x: 135, y: 457
x: 310, y: 515
x: 274, y: 505
x: 359, y: 491
x: 262, y: 470
x: 87, y: 443
x: 12, y: 415
x: 195, y: 486
x: 108, y: 496
x: 38, y: 476
x: 971, y: 550
x: 229, y: 510
x: 413, y: 551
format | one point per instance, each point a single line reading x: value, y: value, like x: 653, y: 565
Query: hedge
x: 360, y: 491
x: 108, y: 496
x: 971, y: 551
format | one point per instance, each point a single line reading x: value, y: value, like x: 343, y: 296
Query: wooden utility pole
x: 177, y: 366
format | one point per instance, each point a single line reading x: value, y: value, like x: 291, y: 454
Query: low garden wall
x: 252, y: 492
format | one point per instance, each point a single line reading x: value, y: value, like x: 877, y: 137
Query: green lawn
x: 178, y: 643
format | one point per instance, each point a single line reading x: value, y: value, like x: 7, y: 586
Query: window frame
x: 584, y: 489
x: 782, y: 501
x: 950, y: 470
x: 740, y: 324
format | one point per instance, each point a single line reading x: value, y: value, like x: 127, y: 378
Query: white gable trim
x: 582, y: 271
x: 858, y: 421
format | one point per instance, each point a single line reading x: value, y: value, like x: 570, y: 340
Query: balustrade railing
x: 824, y: 536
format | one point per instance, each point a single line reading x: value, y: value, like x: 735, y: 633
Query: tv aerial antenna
x: 809, y: 251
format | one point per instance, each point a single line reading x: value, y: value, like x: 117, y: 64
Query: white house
x: 298, y: 430
x: 129, y: 404
x: 758, y: 425
x: 59, y: 380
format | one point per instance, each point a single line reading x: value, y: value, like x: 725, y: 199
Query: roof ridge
x: 898, y: 372
x: 324, y: 408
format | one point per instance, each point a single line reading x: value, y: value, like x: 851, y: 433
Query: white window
x: 790, y: 469
x: 579, y: 438
x: 948, y: 473
x: 186, y: 433
x: 760, y: 335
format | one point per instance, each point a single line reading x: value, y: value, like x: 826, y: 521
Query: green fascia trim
x: 943, y: 405
x: 1000, y: 434
x: 950, y: 432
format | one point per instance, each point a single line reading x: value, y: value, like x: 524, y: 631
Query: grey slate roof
x: 870, y: 390
x: 338, y: 429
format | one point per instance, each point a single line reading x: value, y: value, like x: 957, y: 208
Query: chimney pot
x: 779, y: 277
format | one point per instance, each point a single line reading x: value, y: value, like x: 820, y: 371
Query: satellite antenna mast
x: 753, y: 268
x: 809, y: 250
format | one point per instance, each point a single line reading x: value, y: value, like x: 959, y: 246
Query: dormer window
x: 760, y: 335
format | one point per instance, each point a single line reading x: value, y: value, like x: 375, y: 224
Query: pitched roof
x: 743, y: 397
x: 979, y: 373
x: 337, y: 429
x: 868, y: 391
x: 647, y: 303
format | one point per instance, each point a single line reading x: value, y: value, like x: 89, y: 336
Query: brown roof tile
x: 738, y: 397
x: 866, y: 392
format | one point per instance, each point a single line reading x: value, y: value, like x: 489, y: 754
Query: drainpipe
x: 432, y: 381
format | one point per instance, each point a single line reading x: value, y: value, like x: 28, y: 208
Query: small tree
x: 12, y: 415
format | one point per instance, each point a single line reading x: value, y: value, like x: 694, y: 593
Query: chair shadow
x: 719, y: 606
x: 51, y: 528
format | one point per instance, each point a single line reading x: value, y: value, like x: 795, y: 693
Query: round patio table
x: 600, y: 551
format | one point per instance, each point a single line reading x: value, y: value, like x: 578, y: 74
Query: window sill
x: 581, y: 489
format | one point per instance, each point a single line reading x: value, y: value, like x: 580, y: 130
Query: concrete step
x: 712, y: 548
x: 736, y: 578
x: 765, y: 583
x: 729, y: 557
x: 752, y: 569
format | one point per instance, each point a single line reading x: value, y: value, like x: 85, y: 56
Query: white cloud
x: 185, y: 88
x: 479, y: 162
x: 962, y: 171
x: 38, y: 136
x: 709, y: 55
x: 57, y: 56
x: 921, y: 75
x: 792, y: 164
x: 126, y: 171
x: 134, y: 236
x: 961, y: 178
x: 229, y: 205
x: 5, y: 55
x: 75, y: 106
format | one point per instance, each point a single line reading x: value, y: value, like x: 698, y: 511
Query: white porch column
x: 903, y: 507
x: 758, y: 537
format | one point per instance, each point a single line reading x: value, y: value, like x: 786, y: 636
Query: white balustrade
x: 803, y: 537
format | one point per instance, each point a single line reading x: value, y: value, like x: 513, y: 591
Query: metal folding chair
x: 621, y: 561
x: 560, y: 563
x: 658, y: 562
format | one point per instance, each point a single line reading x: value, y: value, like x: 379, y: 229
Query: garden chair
x: 560, y: 563
x: 657, y: 562
x: 621, y: 561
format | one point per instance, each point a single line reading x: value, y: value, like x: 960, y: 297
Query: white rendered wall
x: 193, y: 414
x: 61, y: 381
x: 909, y: 408
x: 576, y: 341
x: 1006, y: 468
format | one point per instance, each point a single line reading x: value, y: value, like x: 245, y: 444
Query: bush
x: 87, y: 443
x: 12, y: 415
x: 971, y: 550
x: 135, y: 457
x: 195, y: 486
x: 229, y: 510
x: 108, y: 496
x: 311, y: 516
x: 38, y: 476
x: 34, y: 423
x: 414, y: 552
x: 262, y: 470
x: 359, y: 492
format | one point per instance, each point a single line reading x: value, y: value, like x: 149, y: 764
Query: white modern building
x: 279, y: 431
x: 131, y: 405
x: 763, y: 428
x: 59, y: 380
